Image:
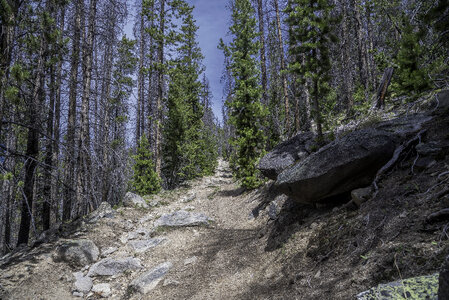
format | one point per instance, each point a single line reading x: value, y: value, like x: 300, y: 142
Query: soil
x: 330, y: 252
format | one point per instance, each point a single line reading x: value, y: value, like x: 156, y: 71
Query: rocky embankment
x: 364, y: 216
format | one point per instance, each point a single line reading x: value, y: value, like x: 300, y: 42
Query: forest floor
x: 259, y: 244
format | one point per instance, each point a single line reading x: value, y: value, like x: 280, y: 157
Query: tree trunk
x: 284, y: 77
x: 160, y: 91
x: 263, y: 60
x: 32, y: 151
x: 383, y: 87
x: 82, y: 196
x: 141, y: 83
x: 346, y: 60
x: 73, y: 84
x: 361, y: 47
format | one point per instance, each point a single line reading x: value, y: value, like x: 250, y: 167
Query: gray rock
x: 108, y: 251
x: 76, y: 253
x: 275, y: 207
x: 140, y: 246
x: 103, y: 211
x: 150, y: 279
x: 83, y: 283
x: 423, y: 287
x: 188, y: 198
x: 286, y: 154
x: 78, y: 294
x: 182, y: 218
x: 134, y: 200
x: 110, y: 266
x: 102, y: 289
x: 362, y: 195
x: 443, y: 282
x: 344, y: 165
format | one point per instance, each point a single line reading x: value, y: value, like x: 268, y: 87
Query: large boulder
x: 342, y: 166
x: 348, y: 163
x: 76, y: 253
x: 286, y: 154
x: 134, y: 200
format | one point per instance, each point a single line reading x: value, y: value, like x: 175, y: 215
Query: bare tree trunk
x: 70, y: 158
x: 263, y: 60
x: 346, y: 60
x: 361, y: 47
x: 284, y: 77
x: 160, y: 91
x: 141, y: 83
x: 106, y: 93
x: 383, y: 87
x: 32, y: 151
x: 57, y: 121
x: 82, y: 194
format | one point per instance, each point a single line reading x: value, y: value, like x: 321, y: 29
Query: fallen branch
x: 397, y: 153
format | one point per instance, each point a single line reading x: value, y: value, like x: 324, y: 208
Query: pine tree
x: 185, y: 150
x: 145, y: 180
x: 310, y: 37
x: 247, y: 114
x: 411, y: 77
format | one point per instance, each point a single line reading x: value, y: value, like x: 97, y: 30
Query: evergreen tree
x: 145, y: 180
x: 185, y: 147
x: 246, y: 111
x: 310, y: 38
x: 411, y: 77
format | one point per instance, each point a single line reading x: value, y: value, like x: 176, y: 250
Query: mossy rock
x: 423, y: 287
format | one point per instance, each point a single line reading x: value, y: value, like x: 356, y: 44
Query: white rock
x: 190, y: 260
x: 83, y: 283
x: 102, y: 289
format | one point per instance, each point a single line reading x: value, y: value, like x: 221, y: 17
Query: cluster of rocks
x: 95, y: 265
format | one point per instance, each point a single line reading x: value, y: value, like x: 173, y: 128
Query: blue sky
x: 212, y: 17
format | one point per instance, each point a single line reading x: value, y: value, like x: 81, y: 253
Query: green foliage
x: 188, y: 152
x: 410, y: 76
x: 310, y: 25
x: 247, y: 114
x: 145, y: 180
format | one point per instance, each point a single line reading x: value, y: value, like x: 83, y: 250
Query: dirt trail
x: 220, y: 261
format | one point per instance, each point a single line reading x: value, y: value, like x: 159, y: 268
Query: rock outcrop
x: 286, y: 154
x: 423, y: 287
x: 342, y: 166
x: 77, y: 253
x: 348, y: 163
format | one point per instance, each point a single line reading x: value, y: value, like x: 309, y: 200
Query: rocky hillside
x: 210, y: 239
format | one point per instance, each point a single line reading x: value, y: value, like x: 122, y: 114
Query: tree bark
x: 82, y: 196
x: 141, y: 84
x: 263, y: 60
x: 73, y: 84
x: 383, y: 87
x: 160, y: 91
x: 284, y: 77
x: 32, y: 151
